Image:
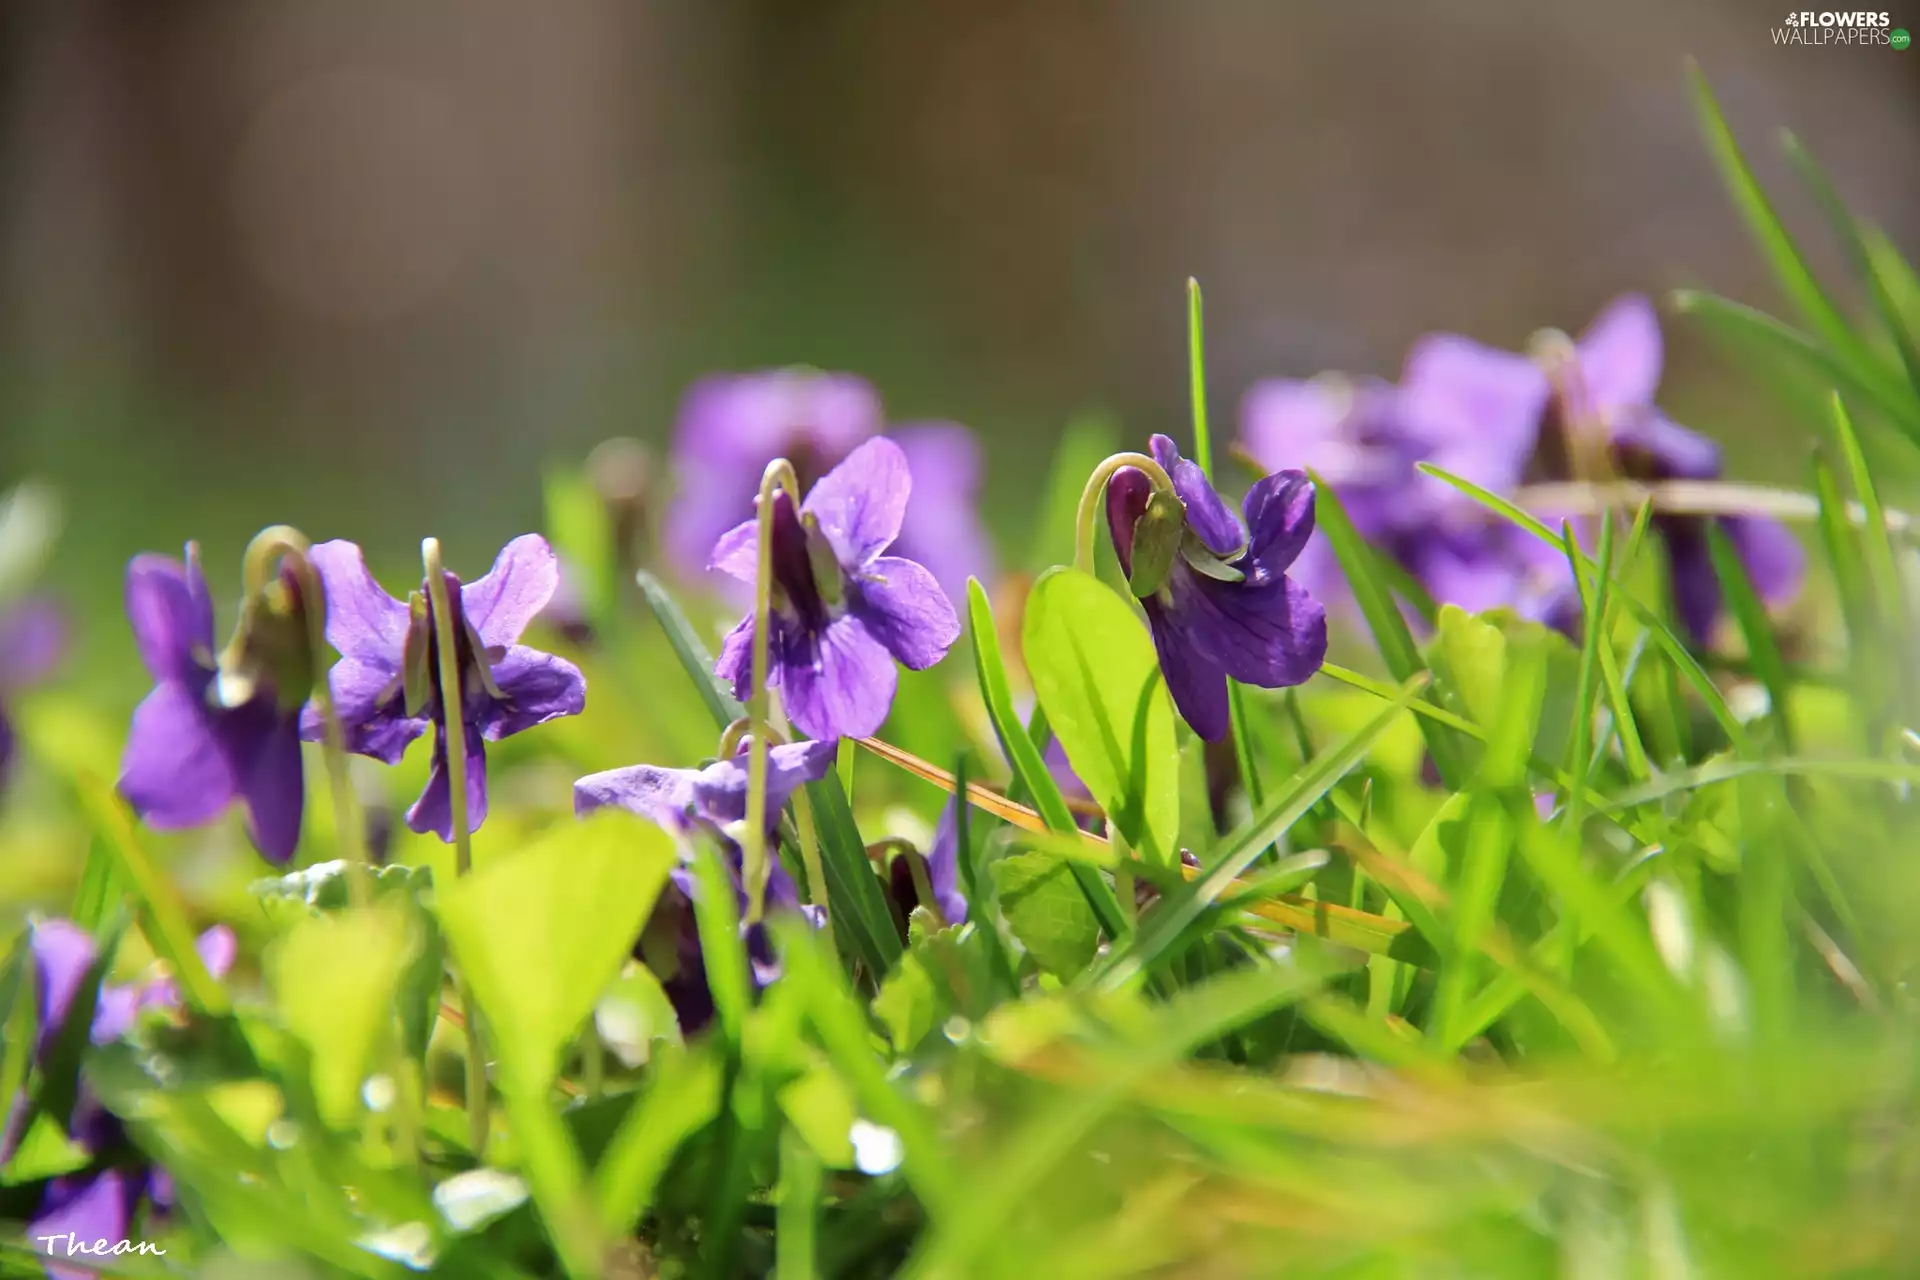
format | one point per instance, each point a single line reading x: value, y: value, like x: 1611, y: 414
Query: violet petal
x: 861, y: 502
x: 433, y: 811
x: 1208, y: 515
x: 171, y: 616
x: 535, y: 687
x: 1279, y: 511
x: 1620, y: 355
x: 905, y: 609
x: 175, y: 772
x: 511, y: 595
x: 363, y: 621
x: 838, y: 684
x: 1197, y: 684
x: 659, y: 795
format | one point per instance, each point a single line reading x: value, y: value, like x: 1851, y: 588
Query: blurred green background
x: 368, y: 268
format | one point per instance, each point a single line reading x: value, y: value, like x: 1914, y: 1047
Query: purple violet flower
x: 100, y: 1201
x: 1227, y: 607
x: 942, y: 860
x: 33, y: 636
x: 843, y: 611
x: 710, y: 801
x: 1597, y: 392
x: 732, y: 425
x: 188, y: 754
x: 387, y: 682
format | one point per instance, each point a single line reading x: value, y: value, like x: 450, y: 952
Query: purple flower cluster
x: 1579, y: 410
x: 98, y: 1202
x: 204, y: 738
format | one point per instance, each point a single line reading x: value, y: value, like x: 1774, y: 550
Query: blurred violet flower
x: 1363, y: 439
x: 732, y: 425
x: 1583, y: 409
x: 711, y: 801
x: 189, y: 754
x: 100, y: 1201
x: 942, y: 866
x: 942, y: 528
x: 1226, y: 607
x: 387, y: 682
x: 843, y: 611
x: 33, y: 637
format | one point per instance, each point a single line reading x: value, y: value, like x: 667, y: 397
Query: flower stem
x: 453, y: 740
x: 283, y: 544
x: 1089, y: 510
x: 778, y: 476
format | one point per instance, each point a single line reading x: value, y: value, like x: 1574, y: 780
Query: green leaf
x: 1847, y: 230
x: 1776, y: 244
x: 44, y: 1152
x: 682, y: 1096
x: 333, y: 979
x: 326, y: 887
x: 821, y: 1109
x: 1029, y: 769
x: 541, y: 934
x: 693, y: 655
x: 1168, y: 920
x: 1046, y: 911
x: 1738, y: 320
x: 854, y: 896
x: 163, y: 915
x: 1094, y: 669
x: 1671, y: 644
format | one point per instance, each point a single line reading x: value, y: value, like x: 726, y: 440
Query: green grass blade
x: 1197, y: 1016
x: 1741, y: 321
x: 1776, y: 243
x: 693, y: 655
x: 1595, y: 596
x: 1025, y: 758
x: 681, y: 1096
x: 1663, y: 635
x: 1751, y: 615
x: 1882, y: 568
x: 1846, y: 228
x: 1167, y: 921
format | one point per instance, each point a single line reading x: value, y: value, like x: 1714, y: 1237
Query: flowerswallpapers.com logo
x: 1842, y: 28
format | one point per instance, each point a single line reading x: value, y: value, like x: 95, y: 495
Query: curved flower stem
x: 778, y: 476
x: 284, y: 545
x: 453, y: 739
x: 1089, y: 510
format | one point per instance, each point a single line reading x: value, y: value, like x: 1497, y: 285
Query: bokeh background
x: 369, y: 267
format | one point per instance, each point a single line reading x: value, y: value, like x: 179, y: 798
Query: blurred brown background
x: 368, y: 266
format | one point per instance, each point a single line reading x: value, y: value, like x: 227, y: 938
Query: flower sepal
x: 1158, y: 538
